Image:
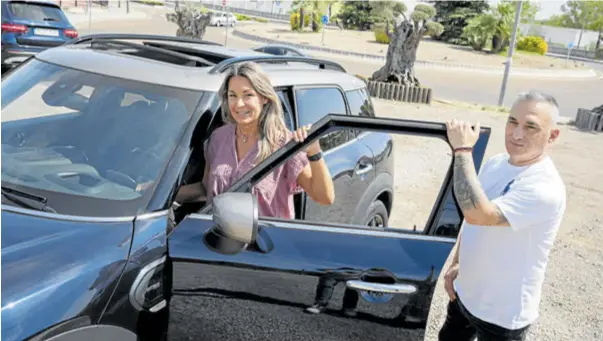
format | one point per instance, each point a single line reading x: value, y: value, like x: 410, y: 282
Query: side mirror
x: 236, y: 222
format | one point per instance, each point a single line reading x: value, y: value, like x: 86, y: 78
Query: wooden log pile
x: 590, y: 119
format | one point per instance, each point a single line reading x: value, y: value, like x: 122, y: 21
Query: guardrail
x: 573, y: 53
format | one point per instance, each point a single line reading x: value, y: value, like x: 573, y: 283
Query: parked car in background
x: 222, y: 19
x: 281, y: 50
x: 30, y: 27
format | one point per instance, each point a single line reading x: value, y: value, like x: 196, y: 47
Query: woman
x: 254, y: 128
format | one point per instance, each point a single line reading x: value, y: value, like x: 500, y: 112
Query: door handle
x: 364, y: 168
x: 398, y: 288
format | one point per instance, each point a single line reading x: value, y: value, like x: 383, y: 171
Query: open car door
x: 237, y: 276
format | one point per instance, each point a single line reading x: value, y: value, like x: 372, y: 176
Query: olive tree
x: 404, y: 42
x: 192, y: 21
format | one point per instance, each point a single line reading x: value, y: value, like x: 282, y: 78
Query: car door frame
x: 388, y: 125
x: 421, y: 302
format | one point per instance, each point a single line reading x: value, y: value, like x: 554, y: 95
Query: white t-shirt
x: 501, y: 269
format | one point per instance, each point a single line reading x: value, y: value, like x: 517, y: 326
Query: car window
x: 313, y: 104
x: 286, y: 109
x: 289, y: 52
x: 273, y: 50
x: 79, y: 137
x: 38, y: 12
x: 360, y: 103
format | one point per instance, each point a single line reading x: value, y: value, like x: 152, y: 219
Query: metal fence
x: 574, y: 52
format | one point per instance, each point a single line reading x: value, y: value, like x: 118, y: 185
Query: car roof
x: 113, y: 63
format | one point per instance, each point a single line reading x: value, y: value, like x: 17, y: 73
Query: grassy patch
x: 505, y: 53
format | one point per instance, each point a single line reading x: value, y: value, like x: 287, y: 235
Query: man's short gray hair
x: 539, y: 97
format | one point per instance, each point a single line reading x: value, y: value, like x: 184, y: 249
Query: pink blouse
x: 274, y: 192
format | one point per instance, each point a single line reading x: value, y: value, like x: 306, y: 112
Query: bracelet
x: 315, y: 157
x: 463, y: 149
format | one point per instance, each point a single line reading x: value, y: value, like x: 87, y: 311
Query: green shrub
x: 316, y: 22
x: 307, y: 19
x: 294, y: 21
x: 262, y: 20
x: 242, y: 17
x: 533, y: 44
x: 380, y: 35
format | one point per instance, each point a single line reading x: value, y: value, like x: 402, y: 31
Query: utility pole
x: 503, y: 87
x: 89, y: 16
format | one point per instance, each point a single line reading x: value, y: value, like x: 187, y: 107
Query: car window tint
x: 35, y: 12
x: 292, y: 53
x: 273, y: 50
x: 360, y: 103
x: 314, y: 104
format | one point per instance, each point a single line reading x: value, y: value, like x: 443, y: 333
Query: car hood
x: 55, y: 269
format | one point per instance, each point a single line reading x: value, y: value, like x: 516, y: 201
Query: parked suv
x: 29, y: 27
x: 89, y: 253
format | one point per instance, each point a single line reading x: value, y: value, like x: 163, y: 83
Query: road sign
x: 325, y: 19
x: 570, y: 45
x: 223, y: 3
x: 278, y: 3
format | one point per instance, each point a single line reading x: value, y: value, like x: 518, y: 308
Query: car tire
x: 377, y: 216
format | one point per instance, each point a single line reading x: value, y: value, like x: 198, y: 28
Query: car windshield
x: 90, y: 144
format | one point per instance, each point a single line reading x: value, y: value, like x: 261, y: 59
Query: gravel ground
x: 573, y: 290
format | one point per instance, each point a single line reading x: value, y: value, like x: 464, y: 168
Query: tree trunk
x: 401, y: 56
x: 190, y: 23
x: 497, y: 44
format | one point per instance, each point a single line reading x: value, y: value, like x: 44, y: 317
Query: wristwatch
x: 315, y: 157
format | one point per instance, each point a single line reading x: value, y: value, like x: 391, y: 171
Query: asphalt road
x: 447, y: 84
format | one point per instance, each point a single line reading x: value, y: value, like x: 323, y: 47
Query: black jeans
x: 460, y: 325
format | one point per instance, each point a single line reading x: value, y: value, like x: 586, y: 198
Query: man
x: 512, y: 213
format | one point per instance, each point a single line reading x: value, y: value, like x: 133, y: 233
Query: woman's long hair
x: 271, y: 126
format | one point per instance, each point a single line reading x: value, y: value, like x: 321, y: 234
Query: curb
x: 400, y: 93
x: 421, y: 63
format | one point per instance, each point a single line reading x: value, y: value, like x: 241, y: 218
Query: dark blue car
x: 97, y: 137
x: 29, y: 27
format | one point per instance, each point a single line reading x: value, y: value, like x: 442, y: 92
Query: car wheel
x: 377, y: 216
x: 218, y: 24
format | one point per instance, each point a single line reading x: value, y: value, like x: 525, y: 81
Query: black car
x: 88, y: 253
x: 281, y: 50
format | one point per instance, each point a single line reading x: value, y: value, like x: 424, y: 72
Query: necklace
x: 244, y: 137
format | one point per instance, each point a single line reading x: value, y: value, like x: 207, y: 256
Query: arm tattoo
x: 500, y: 217
x: 466, y: 184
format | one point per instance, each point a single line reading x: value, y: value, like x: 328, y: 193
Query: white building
x: 562, y: 36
